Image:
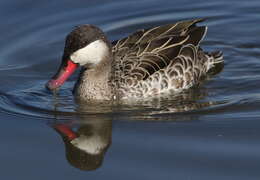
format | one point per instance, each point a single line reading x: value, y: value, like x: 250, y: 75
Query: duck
x: 151, y: 62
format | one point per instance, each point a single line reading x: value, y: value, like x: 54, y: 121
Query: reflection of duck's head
x: 86, y: 147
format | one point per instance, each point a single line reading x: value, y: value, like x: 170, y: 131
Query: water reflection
x: 88, y: 136
x: 85, y: 141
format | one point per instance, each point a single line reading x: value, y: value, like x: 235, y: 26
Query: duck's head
x: 85, y: 46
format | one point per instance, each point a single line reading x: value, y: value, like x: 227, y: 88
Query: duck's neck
x: 93, y: 83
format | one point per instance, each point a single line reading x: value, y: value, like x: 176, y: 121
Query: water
x: 210, y: 132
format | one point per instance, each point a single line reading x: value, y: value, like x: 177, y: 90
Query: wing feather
x: 148, y: 51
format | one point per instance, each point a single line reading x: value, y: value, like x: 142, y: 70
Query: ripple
x: 39, y: 103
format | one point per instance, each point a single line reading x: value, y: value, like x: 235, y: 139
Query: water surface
x: 209, y: 132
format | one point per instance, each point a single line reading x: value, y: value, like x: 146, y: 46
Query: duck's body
x: 148, y: 63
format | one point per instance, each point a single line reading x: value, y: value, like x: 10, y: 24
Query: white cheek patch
x: 92, y: 54
x: 92, y: 145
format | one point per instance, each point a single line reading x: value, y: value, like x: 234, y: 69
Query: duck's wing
x: 147, y: 51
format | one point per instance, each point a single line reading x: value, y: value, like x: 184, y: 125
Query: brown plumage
x: 161, y: 60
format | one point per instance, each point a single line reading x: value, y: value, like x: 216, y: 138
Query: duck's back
x: 160, y: 60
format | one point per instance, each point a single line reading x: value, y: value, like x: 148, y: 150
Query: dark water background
x: 211, y: 132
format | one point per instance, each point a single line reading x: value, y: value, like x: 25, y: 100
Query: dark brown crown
x: 80, y: 37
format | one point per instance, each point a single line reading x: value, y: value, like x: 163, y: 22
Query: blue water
x: 210, y: 132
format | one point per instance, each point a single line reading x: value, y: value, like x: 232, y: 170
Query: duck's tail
x: 215, y: 62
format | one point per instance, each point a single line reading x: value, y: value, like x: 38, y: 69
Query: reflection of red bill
x: 66, y: 131
x: 62, y: 75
